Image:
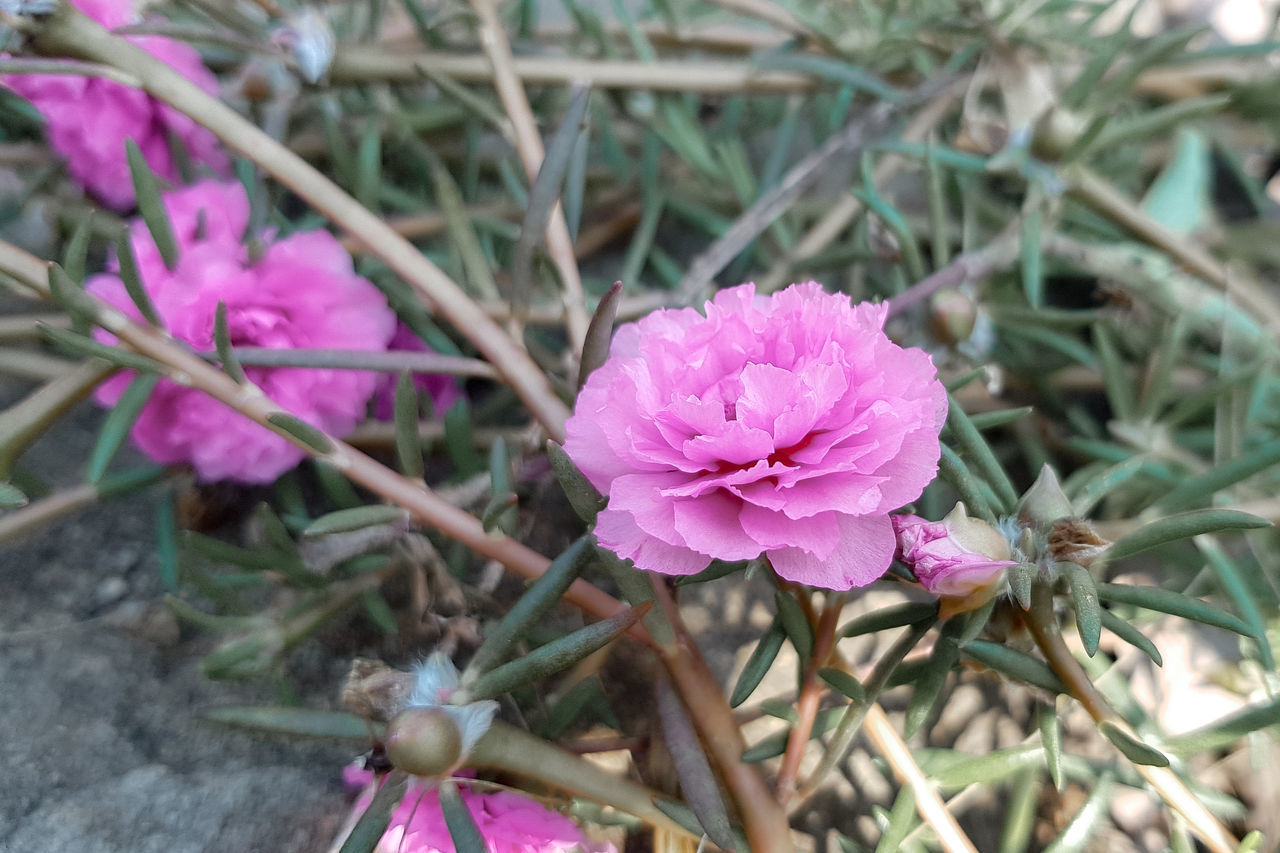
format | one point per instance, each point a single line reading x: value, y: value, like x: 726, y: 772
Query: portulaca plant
x: 700, y: 558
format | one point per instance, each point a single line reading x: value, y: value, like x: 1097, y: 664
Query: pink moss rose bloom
x: 787, y: 425
x: 88, y: 119
x: 958, y: 557
x: 508, y: 822
x: 302, y: 292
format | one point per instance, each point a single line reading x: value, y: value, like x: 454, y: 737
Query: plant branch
x: 764, y: 820
x: 970, y: 266
x: 22, y: 423
x: 424, y: 505
x: 70, y: 33
x: 529, y: 144
x: 1043, y: 625
x: 367, y: 65
x: 391, y: 361
x: 811, y: 691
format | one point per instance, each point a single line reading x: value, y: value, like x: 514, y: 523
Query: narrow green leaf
x: 595, y: 347
x: 542, y: 595
x: 1019, y: 666
x: 1175, y: 603
x: 1182, y: 526
x: 458, y: 440
x: 697, y: 781
x: 1251, y: 843
x: 991, y: 420
x: 895, y: 616
x: 298, y: 722
x: 845, y: 683
x: 499, y: 513
x: 1225, y: 731
x: 1021, y: 577
x: 995, y: 766
x: 1032, y: 256
x: 357, y: 519
x: 798, y: 629
x: 775, y: 744
x: 368, y: 166
x: 133, y: 480
x: 76, y: 252
x: 1132, y: 748
x: 462, y: 827
x: 638, y: 250
x: 1020, y: 815
x: 80, y: 345
x: 830, y: 68
x: 1051, y: 740
x: 150, y: 206
x: 1198, y: 489
x: 118, y: 423
x: 408, y: 443
x: 1232, y: 580
x: 556, y: 655
x: 969, y: 438
x: 222, y: 342
x: 954, y: 471
x: 546, y: 191
x: 1131, y: 635
x: 902, y: 818
x: 762, y: 658
x: 302, y: 431
x: 132, y: 281
x: 583, y: 497
x: 373, y: 824
x: 928, y: 686
x: 1084, y: 601
x: 167, y: 542
x: 81, y: 306
x: 939, y: 220
x: 462, y: 233
x: 336, y: 487
x: 224, y: 552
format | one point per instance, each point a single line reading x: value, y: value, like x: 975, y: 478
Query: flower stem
x: 1043, y: 625
x: 70, y: 33
x: 768, y: 830
x: 811, y: 691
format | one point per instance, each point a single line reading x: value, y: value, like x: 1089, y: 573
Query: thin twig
x: 930, y: 806
x: 529, y: 144
x: 69, y: 67
x: 32, y: 366
x: 392, y: 361
x: 1043, y: 625
x: 971, y: 266
x: 366, y: 65
x: 68, y: 32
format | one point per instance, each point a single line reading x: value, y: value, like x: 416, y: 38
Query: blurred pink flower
x: 302, y: 292
x: 95, y: 149
x: 787, y: 425
x: 442, y: 389
x: 509, y: 822
x: 956, y: 557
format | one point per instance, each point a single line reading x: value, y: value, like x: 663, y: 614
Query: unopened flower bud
x: 958, y: 557
x: 1045, y: 502
x: 310, y: 39
x: 952, y: 316
x: 423, y: 741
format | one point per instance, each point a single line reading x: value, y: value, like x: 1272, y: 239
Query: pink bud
x: 957, y: 557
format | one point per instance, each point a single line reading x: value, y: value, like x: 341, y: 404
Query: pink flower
x: 95, y: 150
x: 509, y: 823
x: 301, y: 293
x: 957, y: 557
x: 442, y: 389
x: 787, y: 425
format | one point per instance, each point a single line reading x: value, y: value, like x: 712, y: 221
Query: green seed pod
x: 423, y: 741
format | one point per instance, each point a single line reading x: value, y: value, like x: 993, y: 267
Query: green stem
x: 505, y: 747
